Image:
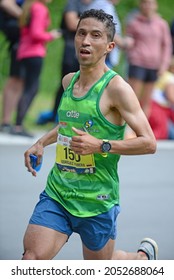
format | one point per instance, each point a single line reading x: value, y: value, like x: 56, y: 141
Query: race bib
x: 69, y: 161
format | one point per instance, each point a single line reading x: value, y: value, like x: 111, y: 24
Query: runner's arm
x: 125, y: 101
x: 38, y: 148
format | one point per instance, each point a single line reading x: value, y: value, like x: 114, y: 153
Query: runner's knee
x: 31, y: 255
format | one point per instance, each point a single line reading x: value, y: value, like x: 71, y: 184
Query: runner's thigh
x: 42, y: 243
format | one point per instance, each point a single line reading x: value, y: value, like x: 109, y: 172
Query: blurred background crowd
x: 37, y: 50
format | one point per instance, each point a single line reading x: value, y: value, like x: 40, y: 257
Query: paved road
x: 147, y: 199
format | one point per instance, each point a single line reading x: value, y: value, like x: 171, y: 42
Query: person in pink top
x: 34, y: 22
x: 151, y: 52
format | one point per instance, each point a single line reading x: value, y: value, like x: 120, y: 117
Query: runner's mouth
x: 84, y: 51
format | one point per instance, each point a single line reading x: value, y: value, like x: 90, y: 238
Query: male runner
x: 82, y: 190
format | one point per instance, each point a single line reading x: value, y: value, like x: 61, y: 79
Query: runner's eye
x: 96, y: 35
x: 81, y: 33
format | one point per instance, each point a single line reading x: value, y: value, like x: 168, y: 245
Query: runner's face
x: 91, y: 42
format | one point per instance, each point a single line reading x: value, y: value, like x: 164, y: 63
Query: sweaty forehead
x: 91, y: 24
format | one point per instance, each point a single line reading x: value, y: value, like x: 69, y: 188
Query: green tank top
x: 85, y: 185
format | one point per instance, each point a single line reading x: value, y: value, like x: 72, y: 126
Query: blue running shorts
x: 94, y: 231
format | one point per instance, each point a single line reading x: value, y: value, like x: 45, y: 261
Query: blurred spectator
x: 162, y: 107
x: 69, y: 62
x: 151, y: 52
x: 34, y: 22
x: 172, y: 34
x: 10, y: 10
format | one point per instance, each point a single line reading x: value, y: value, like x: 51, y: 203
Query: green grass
x: 50, y: 77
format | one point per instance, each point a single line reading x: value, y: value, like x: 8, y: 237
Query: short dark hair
x: 101, y: 16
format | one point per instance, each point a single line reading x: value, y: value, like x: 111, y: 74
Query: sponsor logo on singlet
x: 73, y: 114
